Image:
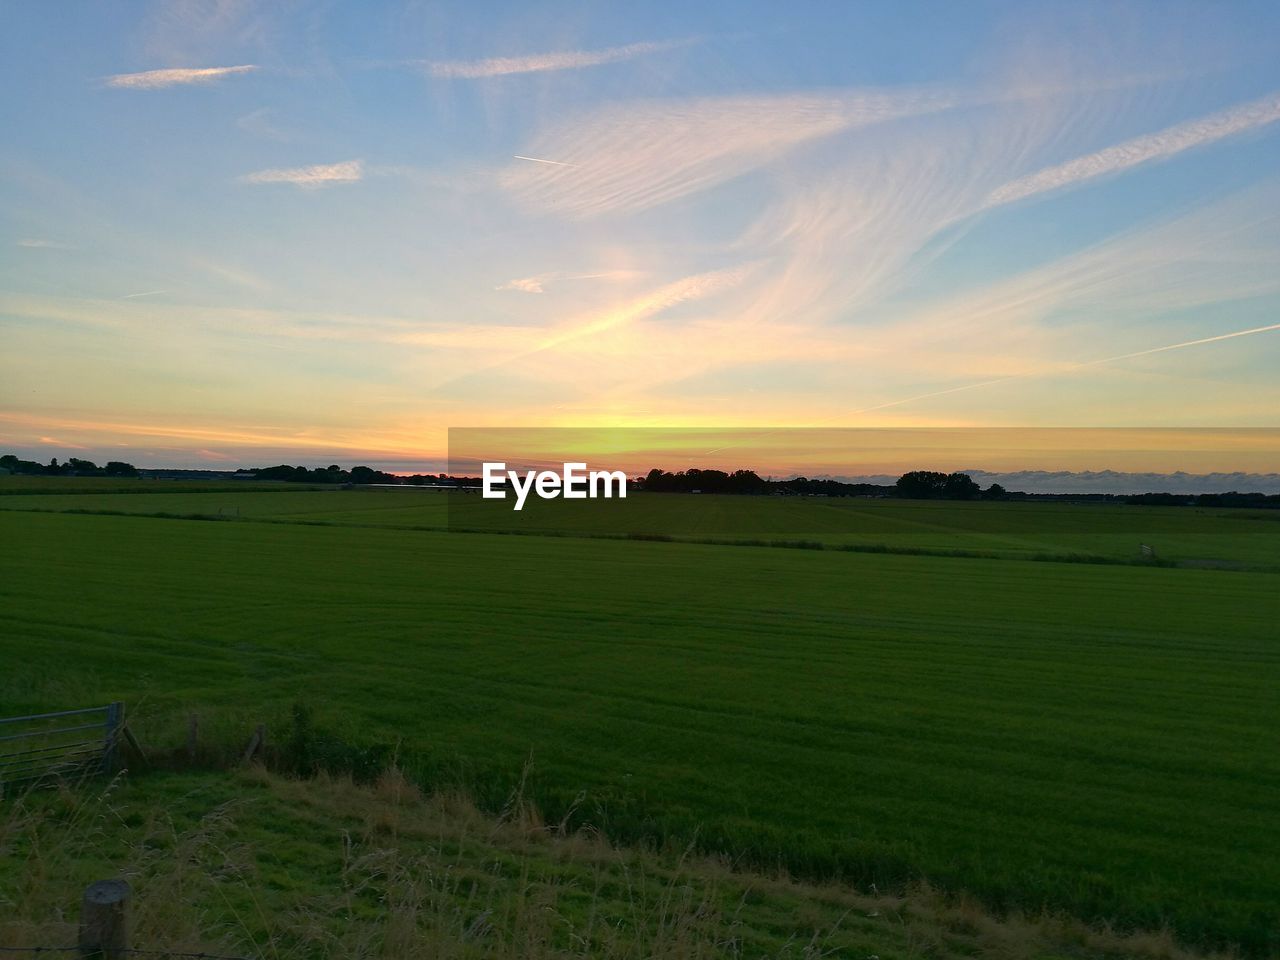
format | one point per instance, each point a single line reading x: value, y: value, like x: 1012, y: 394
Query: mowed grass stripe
x: 1099, y: 739
x: 919, y: 675
x: 1214, y: 536
x: 149, y: 647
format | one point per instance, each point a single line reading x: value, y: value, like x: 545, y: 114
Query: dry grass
x: 258, y: 865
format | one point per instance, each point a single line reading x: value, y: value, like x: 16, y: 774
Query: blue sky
x: 239, y: 232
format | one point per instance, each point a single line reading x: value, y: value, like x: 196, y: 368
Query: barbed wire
x: 131, y: 950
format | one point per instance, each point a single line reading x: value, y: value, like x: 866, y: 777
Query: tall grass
x: 259, y: 865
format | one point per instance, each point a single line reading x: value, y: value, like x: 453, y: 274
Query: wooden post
x: 130, y: 739
x: 193, y: 737
x: 104, y: 920
x: 255, y: 743
x: 111, y: 735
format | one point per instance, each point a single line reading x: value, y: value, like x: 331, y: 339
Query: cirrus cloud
x: 543, y: 62
x: 1154, y: 146
x: 318, y: 175
x: 537, y: 284
x: 157, y: 79
x: 638, y: 155
x: 526, y: 284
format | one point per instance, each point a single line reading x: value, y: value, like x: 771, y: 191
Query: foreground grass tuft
x: 255, y: 864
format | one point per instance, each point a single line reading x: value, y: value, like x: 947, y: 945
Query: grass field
x: 1221, y: 538
x: 1098, y: 739
x: 274, y: 867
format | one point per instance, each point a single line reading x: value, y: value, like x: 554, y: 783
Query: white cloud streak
x: 158, y: 79
x: 320, y: 175
x: 696, y: 287
x: 1131, y: 153
x: 634, y: 156
x: 537, y: 284
x: 838, y: 241
x: 567, y: 342
x: 38, y: 244
x: 526, y: 284
x: 544, y: 62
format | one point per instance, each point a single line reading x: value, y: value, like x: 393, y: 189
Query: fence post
x: 111, y: 735
x: 132, y: 741
x: 104, y: 920
x: 255, y: 743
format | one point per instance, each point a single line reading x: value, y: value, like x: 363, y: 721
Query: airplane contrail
x: 1185, y: 343
x: 1074, y: 366
x: 145, y: 293
x: 558, y: 163
x: 1026, y: 376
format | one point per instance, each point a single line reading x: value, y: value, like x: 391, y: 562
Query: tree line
x: 913, y: 485
x: 919, y: 485
x: 73, y: 467
x: 359, y: 475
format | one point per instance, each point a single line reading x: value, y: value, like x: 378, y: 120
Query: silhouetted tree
x: 932, y: 485
x: 83, y: 468
x: 921, y: 485
x: 364, y: 474
x: 960, y: 486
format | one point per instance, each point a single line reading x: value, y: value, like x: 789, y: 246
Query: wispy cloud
x: 696, y: 287
x: 139, y: 315
x: 186, y: 31
x: 838, y: 241
x: 634, y: 156
x: 565, y: 343
x: 526, y: 284
x: 38, y: 244
x: 608, y: 275
x: 157, y: 79
x: 813, y: 312
x: 320, y: 175
x: 1155, y: 146
x: 1021, y: 328
x: 543, y: 62
x: 260, y: 123
x: 55, y: 442
x: 283, y: 436
x: 536, y: 284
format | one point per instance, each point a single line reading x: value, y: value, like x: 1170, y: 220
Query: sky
x: 241, y: 233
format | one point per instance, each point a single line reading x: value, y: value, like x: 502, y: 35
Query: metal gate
x: 62, y: 745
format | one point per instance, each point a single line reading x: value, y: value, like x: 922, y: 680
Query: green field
x: 1217, y: 538
x: 269, y: 866
x: 1095, y: 738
